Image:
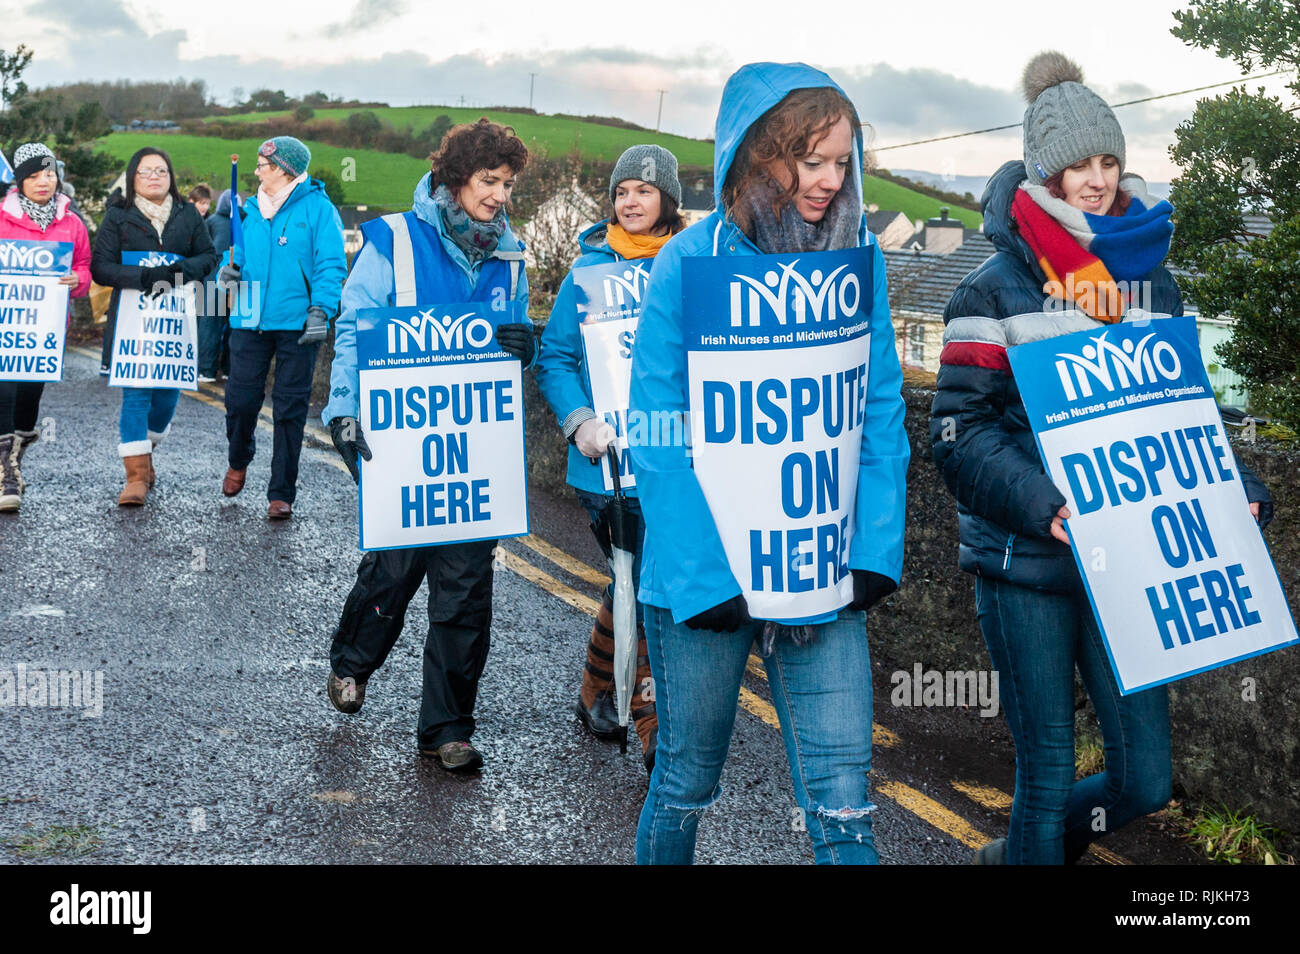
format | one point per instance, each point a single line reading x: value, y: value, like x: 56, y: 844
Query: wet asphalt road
x: 217, y: 743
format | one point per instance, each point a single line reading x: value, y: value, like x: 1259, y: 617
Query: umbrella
x: 622, y: 523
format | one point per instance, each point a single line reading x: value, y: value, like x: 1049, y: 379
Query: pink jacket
x: 66, y: 227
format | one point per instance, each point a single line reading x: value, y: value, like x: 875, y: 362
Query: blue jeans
x: 146, y: 415
x: 822, y: 696
x: 1036, y: 640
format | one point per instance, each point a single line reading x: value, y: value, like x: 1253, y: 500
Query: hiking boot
x: 455, y: 756
x: 346, y: 694
x: 11, y: 488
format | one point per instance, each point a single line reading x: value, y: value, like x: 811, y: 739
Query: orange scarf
x: 634, y: 246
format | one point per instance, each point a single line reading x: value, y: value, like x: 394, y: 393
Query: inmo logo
x: 1110, y: 366
x: 152, y: 259
x: 427, y: 332
x: 25, y: 256
x: 816, y: 297
x: 619, y: 289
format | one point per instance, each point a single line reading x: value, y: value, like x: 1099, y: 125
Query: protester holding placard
x: 35, y: 209
x: 151, y: 218
x: 1079, y: 243
x: 293, y: 264
x: 454, y: 246
x: 645, y: 194
x: 805, y: 369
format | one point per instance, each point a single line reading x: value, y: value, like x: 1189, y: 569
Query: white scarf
x: 156, y: 212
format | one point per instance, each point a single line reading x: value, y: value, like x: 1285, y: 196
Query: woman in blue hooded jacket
x: 645, y: 194
x: 787, y: 179
x: 1033, y: 611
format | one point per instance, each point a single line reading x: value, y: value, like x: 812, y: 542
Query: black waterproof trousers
x: 460, y: 617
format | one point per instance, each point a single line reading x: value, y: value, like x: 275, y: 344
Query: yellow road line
x: 557, y: 556
x: 930, y: 811
x: 985, y: 795
x: 532, y: 574
x: 756, y: 705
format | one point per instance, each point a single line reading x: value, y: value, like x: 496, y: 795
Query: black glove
x: 724, y: 618
x: 156, y: 280
x: 869, y: 589
x: 316, y: 328
x: 348, y: 440
x: 518, y: 340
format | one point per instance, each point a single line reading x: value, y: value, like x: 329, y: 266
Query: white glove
x: 594, y: 437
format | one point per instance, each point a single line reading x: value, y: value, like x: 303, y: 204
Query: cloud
x: 900, y: 104
x: 366, y: 15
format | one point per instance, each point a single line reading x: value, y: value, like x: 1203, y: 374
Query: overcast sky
x: 914, y: 68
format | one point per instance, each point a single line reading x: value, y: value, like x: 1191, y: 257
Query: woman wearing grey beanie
x: 1067, y: 221
x: 644, y: 195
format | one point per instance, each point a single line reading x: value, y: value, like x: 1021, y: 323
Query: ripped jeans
x: 822, y: 696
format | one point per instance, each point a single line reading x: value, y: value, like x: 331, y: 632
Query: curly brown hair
x: 473, y: 146
x: 784, y: 134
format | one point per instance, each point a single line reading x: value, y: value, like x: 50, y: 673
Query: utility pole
x: 531, y: 78
x: 660, y: 117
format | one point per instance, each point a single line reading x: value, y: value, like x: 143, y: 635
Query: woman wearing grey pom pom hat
x: 1066, y: 217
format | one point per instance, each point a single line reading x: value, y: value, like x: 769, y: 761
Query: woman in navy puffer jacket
x: 1033, y: 610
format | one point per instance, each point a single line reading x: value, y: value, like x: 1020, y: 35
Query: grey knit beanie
x: 649, y: 163
x: 1065, y: 121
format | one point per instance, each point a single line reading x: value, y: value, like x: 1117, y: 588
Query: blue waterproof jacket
x: 297, y: 257
x: 982, y: 442
x: 562, y: 367
x: 371, y: 285
x: 684, y: 566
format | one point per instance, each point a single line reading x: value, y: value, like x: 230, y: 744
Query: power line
x: 1131, y: 102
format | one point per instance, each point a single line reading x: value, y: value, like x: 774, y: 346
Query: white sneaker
x: 206, y: 379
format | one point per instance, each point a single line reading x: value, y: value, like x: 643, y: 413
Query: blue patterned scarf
x: 476, y: 239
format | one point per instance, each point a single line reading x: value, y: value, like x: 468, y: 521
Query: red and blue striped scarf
x: 1090, y: 259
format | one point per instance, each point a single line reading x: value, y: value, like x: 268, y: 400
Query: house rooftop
x: 924, y: 281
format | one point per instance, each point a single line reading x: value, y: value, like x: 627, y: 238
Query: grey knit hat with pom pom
x: 1065, y: 121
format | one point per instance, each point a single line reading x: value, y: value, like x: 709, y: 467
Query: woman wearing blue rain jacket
x: 645, y: 193
x: 787, y: 179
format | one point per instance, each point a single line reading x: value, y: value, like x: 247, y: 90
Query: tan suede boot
x: 137, y: 480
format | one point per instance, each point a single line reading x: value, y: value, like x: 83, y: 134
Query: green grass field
x: 387, y: 180
x: 548, y: 134
x: 382, y: 179
x: 891, y: 195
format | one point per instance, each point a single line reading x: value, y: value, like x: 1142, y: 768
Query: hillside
x: 890, y: 195
x: 553, y: 135
x: 387, y: 179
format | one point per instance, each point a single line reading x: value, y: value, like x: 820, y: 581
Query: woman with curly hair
x: 787, y: 181
x: 454, y: 245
